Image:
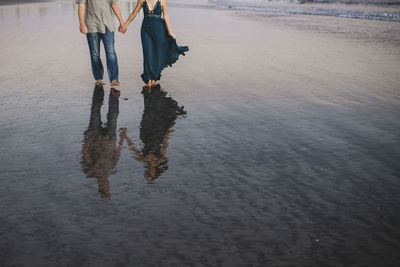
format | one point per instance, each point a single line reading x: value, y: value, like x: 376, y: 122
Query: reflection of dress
x: 100, y: 154
x: 159, y: 115
x: 159, y: 48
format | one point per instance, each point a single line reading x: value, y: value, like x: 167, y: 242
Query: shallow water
x: 253, y: 170
x: 374, y: 10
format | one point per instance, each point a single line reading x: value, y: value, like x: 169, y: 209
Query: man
x: 96, y: 22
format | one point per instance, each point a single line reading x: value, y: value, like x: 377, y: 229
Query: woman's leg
x: 161, y: 50
x: 112, y: 62
x: 147, y: 57
x: 93, y: 39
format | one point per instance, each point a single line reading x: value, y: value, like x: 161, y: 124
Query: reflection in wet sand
x: 158, y: 119
x: 100, y: 151
x: 100, y: 154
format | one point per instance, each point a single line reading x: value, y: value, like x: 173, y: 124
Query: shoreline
x: 357, y: 30
x: 335, y: 9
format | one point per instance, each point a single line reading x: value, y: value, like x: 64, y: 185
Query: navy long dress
x: 159, y: 48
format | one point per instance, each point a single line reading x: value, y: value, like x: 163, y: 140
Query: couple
x: 158, y: 42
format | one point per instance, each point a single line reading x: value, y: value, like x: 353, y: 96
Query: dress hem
x: 174, y: 54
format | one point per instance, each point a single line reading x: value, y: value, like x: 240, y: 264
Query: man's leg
x: 112, y: 62
x: 113, y: 111
x: 94, y: 48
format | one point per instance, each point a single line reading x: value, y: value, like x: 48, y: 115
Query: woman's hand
x: 173, y: 35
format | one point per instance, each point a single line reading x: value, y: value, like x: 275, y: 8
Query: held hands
x: 122, y: 132
x: 122, y: 28
x: 83, y: 29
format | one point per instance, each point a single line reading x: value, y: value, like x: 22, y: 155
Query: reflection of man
x: 100, y: 153
x: 159, y: 115
x: 97, y: 22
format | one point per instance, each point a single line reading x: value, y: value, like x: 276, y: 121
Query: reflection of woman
x: 158, y: 41
x: 100, y: 154
x: 159, y: 115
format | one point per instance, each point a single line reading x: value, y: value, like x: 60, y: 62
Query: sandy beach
x: 286, y: 153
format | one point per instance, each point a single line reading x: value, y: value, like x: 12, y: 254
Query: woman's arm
x: 166, y: 17
x: 133, y: 15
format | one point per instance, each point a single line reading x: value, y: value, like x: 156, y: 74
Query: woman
x: 158, y: 40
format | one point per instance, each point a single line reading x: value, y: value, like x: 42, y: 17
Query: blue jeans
x: 94, y: 47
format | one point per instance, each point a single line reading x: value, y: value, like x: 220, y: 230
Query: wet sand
x: 9, y: 2
x: 285, y: 153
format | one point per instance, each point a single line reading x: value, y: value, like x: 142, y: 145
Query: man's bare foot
x: 115, y: 83
x: 99, y: 83
x: 115, y: 92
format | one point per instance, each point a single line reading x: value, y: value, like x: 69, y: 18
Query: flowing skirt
x: 159, y: 48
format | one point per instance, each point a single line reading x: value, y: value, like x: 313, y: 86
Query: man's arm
x: 81, y: 15
x: 117, y: 12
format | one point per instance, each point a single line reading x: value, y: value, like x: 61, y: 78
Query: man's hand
x: 83, y: 29
x: 81, y: 15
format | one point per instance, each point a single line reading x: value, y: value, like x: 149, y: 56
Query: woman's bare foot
x: 153, y: 83
x: 148, y: 86
x: 115, y: 83
x: 99, y: 82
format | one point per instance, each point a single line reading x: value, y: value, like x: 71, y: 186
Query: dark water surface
x: 240, y: 176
